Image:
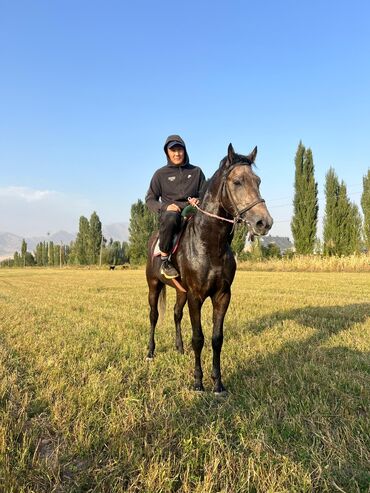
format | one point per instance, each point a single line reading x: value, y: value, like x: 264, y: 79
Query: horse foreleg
x: 178, y: 312
x: 220, y: 304
x: 197, y: 340
x: 154, y: 291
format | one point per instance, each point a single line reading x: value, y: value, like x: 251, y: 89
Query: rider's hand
x: 193, y: 201
x: 174, y: 208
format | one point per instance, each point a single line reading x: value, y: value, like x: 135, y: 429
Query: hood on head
x: 177, y: 138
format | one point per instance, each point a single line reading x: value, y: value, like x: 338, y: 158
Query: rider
x: 168, y: 195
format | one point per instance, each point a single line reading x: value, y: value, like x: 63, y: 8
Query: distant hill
x: 10, y: 243
x: 117, y: 231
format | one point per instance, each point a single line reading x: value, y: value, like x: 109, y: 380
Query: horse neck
x: 211, y: 229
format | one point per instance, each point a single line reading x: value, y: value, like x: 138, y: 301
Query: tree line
x: 89, y: 248
x: 345, y: 231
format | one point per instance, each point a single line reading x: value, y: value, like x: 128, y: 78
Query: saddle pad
x: 176, y: 239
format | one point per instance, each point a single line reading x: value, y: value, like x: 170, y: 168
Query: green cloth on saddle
x: 188, y: 211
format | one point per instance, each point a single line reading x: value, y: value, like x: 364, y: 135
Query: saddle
x: 186, y: 214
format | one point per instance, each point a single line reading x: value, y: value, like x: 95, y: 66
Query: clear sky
x: 89, y: 91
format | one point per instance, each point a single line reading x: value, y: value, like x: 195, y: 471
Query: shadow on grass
x: 301, y: 412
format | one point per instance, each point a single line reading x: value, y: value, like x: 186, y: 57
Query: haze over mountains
x: 10, y: 243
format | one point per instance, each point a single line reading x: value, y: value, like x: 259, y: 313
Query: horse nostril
x: 260, y: 224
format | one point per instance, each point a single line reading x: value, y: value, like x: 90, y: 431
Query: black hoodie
x: 173, y: 184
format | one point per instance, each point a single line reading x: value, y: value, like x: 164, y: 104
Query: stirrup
x: 168, y: 270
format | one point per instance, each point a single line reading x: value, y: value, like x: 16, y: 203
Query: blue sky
x: 89, y: 91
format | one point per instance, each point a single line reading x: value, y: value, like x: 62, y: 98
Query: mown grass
x: 82, y: 410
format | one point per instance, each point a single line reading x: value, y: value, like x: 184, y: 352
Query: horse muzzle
x: 261, y: 223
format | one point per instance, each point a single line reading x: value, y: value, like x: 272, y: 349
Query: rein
x: 236, y: 218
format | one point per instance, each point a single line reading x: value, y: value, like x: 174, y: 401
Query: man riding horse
x: 204, y: 259
x: 168, y: 195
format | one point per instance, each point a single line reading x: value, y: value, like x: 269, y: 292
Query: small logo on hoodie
x: 172, y: 178
x: 189, y: 176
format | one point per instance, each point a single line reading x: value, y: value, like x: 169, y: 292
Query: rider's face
x: 176, y: 155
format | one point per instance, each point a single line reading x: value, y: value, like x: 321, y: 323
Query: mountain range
x: 10, y: 243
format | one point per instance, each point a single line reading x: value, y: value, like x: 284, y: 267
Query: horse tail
x: 162, y: 304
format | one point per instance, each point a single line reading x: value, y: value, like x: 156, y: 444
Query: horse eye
x: 237, y: 182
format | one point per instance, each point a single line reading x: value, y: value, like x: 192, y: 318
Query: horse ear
x: 252, y: 155
x: 230, y: 153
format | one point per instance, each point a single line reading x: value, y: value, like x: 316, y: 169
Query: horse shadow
x: 305, y: 403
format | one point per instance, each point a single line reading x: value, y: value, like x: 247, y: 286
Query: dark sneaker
x: 168, y: 270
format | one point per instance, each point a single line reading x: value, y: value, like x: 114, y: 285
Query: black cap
x: 174, y: 143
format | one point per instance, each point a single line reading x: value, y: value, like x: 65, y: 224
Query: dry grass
x: 310, y: 263
x: 82, y: 411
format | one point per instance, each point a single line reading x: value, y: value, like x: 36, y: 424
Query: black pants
x: 169, y: 225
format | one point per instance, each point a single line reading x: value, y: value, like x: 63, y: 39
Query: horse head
x: 240, y: 195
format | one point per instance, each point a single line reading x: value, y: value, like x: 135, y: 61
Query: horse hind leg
x: 154, y: 292
x: 178, y: 313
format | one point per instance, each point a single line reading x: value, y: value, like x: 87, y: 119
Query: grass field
x: 82, y: 410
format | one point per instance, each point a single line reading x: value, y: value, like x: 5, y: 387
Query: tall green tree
x: 142, y: 224
x: 331, y: 223
x: 45, y: 253
x: 39, y: 254
x: 355, y: 230
x: 82, y: 244
x: 24, y: 252
x: 365, y: 204
x: 342, y: 220
x: 51, y: 253
x: 95, y: 239
x: 17, y: 260
x: 305, y: 203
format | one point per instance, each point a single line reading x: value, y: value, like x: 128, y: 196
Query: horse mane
x: 238, y: 158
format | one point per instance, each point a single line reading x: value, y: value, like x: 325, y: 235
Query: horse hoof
x: 220, y: 394
x: 198, y: 387
x: 150, y: 357
x: 220, y: 390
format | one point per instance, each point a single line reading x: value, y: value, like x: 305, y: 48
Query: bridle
x: 237, y: 215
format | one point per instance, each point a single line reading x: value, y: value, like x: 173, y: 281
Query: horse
x: 204, y: 258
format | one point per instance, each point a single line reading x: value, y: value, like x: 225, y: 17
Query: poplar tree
x: 38, y: 253
x: 355, y: 229
x: 305, y: 203
x: 365, y: 204
x: 82, y: 241
x: 142, y: 224
x: 95, y: 238
x: 45, y: 253
x: 331, y: 225
x: 343, y: 217
x: 24, y: 252
x: 51, y: 253
x: 342, y: 221
x: 349, y: 220
x: 16, y: 259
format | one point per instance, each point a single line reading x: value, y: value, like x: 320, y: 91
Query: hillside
x: 10, y: 243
